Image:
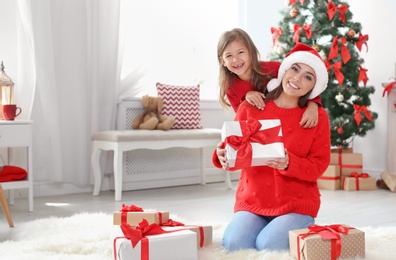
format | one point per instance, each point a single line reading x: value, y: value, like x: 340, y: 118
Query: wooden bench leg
x: 118, y: 174
x: 5, y: 207
x: 95, y: 163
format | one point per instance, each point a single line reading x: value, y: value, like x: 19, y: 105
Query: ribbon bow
x: 362, y: 40
x: 329, y: 232
x: 359, y: 175
x: 362, y: 75
x: 333, y: 53
x: 358, y: 110
x: 251, y: 134
x: 388, y: 88
x: 172, y: 223
x: 276, y: 32
x: 337, y: 72
x: 140, y: 231
x: 332, y: 8
x: 306, y: 28
x: 131, y: 208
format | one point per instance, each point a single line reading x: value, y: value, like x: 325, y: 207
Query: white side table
x: 18, y: 133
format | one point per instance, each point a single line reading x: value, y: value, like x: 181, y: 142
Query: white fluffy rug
x: 90, y: 236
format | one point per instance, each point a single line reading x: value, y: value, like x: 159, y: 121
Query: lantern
x: 6, y: 90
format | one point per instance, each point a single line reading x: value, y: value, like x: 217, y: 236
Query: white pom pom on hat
x: 302, y: 53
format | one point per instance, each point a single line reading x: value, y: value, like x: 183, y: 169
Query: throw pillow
x: 181, y: 103
x: 12, y: 173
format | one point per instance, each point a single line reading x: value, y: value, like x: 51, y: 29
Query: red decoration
x: 293, y: 12
x: 388, y: 89
x: 292, y: 2
x: 340, y: 130
x: 306, y: 28
x: 362, y: 75
x: 344, y: 51
x: 333, y: 53
x: 337, y: 72
x: 276, y: 32
x: 358, y: 110
x: 331, y: 10
x: 362, y: 40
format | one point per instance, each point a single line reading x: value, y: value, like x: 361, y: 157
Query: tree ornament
x: 280, y: 50
x: 351, y: 33
x: 317, y: 47
x: 340, y: 130
x: 294, y: 12
x: 339, y: 97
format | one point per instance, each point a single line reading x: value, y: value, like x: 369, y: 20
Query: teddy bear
x: 151, y: 118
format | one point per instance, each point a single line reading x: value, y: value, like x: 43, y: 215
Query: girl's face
x: 299, y: 79
x: 236, y: 58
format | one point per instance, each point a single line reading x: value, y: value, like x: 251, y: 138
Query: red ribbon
x: 328, y: 178
x: 332, y: 8
x: 172, y: 223
x: 276, y: 32
x: 344, y: 51
x: 337, y: 72
x: 362, y: 75
x: 125, y: 209
x: 139, y: 233
x: 356, y: 176
x: 327, y: 232
x: 333, y: 53
x: 358, y: 110
x: 388, y: 88
x: 342, y: 166
x: 305, y: 27
x: 251, y: 134
x: 362, y: 40
x: 292, y: 2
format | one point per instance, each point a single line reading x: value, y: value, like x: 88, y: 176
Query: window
x: 173, y: 42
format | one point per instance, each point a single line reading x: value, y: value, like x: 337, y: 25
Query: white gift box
x: 179, y: 245
x: 261, y: 153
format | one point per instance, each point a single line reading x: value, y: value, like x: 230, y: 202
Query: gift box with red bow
x: 348, y: 162
x: 327, y: 242
x: 390, y: 180
x: 134, y: 214
x: 150, y: 241
x: 204, y: 233
x: 252, y: 142
x: 331, y: 178
x: 358, y: 181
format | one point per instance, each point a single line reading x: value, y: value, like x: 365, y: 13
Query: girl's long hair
x: 226, y: 77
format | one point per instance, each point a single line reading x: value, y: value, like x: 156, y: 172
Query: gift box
x: 331, y: 178
x: 357, y: 181
x: 390, y: 180
x: 348, y: 162
x: 204, y: 233
x: 133, y: 215
x: 252, y: 142
x: 180, y: 245
x: 320, y: 242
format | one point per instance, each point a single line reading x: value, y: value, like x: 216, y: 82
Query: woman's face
x: 299, y: 79
x: 236, y: 58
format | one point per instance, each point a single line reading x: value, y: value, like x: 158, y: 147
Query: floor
x: 210, y: 203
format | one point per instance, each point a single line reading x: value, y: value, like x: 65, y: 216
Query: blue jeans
x: 248, y: 230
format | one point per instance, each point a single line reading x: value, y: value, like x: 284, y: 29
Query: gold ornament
x: 351, y: 33
x: 294, y: 12
x: 280, y: 50
x: 316, y: 47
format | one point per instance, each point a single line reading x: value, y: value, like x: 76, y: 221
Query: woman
x: 282, y: 195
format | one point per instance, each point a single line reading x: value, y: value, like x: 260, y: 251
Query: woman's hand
x: 221, y: 155
x: 280, y: 164
x: 255, y: 98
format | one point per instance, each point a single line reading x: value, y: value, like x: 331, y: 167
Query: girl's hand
x: 280, y: 164
x: 255, y: 98
x: 221, y: 155
x: 310, y: 116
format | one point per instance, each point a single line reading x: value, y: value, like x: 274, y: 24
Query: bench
x: 120, y: 141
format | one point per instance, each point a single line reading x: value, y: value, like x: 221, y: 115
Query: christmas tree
x: 328, y: 27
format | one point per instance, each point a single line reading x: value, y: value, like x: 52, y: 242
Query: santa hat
x: 302, y: 53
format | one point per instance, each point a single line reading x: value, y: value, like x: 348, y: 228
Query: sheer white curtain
x: 68, y: 79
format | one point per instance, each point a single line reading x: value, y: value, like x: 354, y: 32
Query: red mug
x: 11, y: 111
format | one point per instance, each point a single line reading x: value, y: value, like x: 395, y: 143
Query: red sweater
x: 271, y: 192
x: 238, y: 89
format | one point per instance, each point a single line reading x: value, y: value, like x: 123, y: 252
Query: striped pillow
x: 181, y: 103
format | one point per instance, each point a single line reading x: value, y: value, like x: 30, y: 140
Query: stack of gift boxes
x: 346, y: 172
x: 149, y: 234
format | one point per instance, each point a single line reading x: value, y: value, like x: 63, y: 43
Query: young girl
x: 243, y: 77
x: 282, y: 195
